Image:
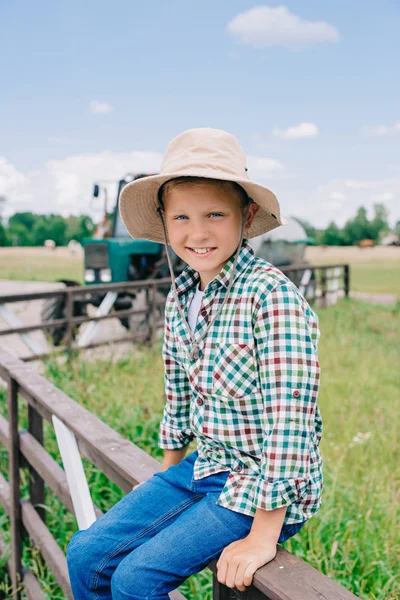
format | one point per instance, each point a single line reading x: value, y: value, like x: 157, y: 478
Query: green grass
x: 355, y: 537
x: 40, y: 268
x: 380, y: 277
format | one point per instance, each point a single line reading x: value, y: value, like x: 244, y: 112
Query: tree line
x: 355, y: 229
x: 31, y: 229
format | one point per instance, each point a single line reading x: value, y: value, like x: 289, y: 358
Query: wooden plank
x: 32, y: 588
x: 285, y: 578
x: 176, y: 595
x: 83, y: 290
x: 48, y: 469
x: 40, y: 536
x: 13, y: 473
x: 289, y: 578
x: 117, y: 457
x: 36, y: 483
x: 47, y: 545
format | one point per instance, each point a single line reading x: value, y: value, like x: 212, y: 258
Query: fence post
x: 15, y: 499
x: 222, y: 592
x: 68, y: 316
x: 346, y: 280
x: 153, y: 324
x: 323, y: 286
x: 36, y: 483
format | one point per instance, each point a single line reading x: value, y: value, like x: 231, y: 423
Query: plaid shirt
x: 250, y: 399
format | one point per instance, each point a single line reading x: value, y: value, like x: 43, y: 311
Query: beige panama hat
x: 203, y: 152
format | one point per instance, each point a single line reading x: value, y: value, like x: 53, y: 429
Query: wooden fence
x: 318, y: 286
x: 285, y: 578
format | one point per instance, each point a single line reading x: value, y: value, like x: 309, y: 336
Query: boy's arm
x: 175, y: 432
x: 289, y: 371
x: 286, y: 342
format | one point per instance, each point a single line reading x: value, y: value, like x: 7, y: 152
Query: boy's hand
x: 240, y: 560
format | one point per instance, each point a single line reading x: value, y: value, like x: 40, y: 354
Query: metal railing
x: 285, y: 578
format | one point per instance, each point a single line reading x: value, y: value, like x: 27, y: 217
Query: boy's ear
x: 253, y: 209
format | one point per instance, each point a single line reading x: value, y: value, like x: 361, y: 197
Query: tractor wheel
x: 54, y: 308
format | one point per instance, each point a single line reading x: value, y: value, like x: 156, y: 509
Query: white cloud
x: 266, y: 26
x: 337, y: 197
x: 296, y: 132
x: 264, y: 168
x: 385, y: 197
x: 66, y: 185
x: 100, y: 107
x: 359, y: 184
x: 13, y: 183
x: 381, y: 130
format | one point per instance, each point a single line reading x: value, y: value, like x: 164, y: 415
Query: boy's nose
x: 199, y: 235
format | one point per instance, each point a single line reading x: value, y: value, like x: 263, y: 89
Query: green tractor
x: 113, y: 258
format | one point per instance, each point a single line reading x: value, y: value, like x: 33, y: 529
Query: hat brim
x: 138, y: 205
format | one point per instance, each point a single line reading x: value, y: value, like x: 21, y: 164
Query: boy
x: 241, y: 377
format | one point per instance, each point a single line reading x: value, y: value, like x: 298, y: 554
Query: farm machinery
x: 112, y: 256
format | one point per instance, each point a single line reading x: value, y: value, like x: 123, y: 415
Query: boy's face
x: 204, y: 222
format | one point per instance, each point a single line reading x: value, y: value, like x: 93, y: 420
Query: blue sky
x: 93, y: 90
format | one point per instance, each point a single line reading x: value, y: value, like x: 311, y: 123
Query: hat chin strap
x: 194, y: 352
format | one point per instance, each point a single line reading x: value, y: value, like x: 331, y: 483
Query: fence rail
x: 285, y: 578
x: 322, y: 281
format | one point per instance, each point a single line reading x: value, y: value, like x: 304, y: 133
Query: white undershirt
x: 194, y: 308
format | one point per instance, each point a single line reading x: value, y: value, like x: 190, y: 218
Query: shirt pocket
x: 235, y: 373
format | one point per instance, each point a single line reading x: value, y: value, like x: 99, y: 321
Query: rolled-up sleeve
x: 174, y: 432
x: 286, y: 335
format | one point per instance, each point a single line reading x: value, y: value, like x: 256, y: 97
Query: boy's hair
x: 234, y: 188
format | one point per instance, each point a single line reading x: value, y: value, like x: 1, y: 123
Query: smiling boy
x: 241, y: 377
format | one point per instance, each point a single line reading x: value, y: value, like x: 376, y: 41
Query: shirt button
x: 199, y: 401
x: 238, y: 469
x: 296, y: 394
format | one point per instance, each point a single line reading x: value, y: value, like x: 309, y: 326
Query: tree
x: 19, y: 235
x: 357, y: 229
x: 379, y: 225
x: 332, y: 235
x: 27, y: 219
x: 3, y: 235
x: 78, y: 228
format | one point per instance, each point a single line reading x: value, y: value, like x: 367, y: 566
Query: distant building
x: 284, y: 245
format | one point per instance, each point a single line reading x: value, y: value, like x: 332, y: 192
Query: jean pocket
x: 212, y: 483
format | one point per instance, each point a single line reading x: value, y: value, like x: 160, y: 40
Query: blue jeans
x: 156, y: 537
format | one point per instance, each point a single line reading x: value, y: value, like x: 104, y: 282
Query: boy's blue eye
x: 218, y: 214
x: 180, y: 217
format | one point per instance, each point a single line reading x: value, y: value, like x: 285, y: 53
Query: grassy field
x: 373, y: 270
x: 40, y: 264
x: 355, y: 537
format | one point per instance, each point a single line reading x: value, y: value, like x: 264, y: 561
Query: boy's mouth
x: 206, y: 251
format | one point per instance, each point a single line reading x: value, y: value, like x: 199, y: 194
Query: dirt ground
x: 28, y: 313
